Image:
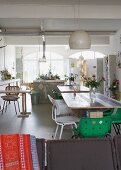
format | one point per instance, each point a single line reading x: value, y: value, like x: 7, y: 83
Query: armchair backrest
x: 83, y: 154
x: 40, y: 143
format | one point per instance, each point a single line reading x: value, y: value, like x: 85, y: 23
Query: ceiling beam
x: 38, y: 32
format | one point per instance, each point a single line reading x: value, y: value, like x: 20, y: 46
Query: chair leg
x: 6, y: 102
x: 56, y: 130
x: 15, y: 107
x: 116, y: 129
x: 3, y: 107
x: 18, y: 106
x: 75, y: 125
x: 72, y: 129
x: 62, y: 126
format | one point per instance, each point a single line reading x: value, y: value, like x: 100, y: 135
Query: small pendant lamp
x: 43, y: 59
x: 79, y: 40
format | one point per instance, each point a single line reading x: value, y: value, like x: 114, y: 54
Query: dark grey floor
x: 39, y: 123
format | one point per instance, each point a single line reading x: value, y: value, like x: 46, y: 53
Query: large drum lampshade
x: 79, y: 40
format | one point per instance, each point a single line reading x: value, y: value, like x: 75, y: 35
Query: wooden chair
x: 13, y: 96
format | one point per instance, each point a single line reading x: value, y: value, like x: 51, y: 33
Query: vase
x: 71, y: 83
x: 2, y: 77
x: 92, y: 93
x: 115, y: 94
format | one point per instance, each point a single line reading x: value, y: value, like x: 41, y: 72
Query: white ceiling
x: 102, y: 17
x: 63, y: 2
x: 62, y: 24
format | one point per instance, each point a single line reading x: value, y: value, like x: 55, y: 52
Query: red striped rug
x: 15, y: 152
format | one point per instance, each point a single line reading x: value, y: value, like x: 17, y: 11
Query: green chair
x: 93, y: 127
x: 108, y: 112
x: 116, y: 120
x: 56, y: 95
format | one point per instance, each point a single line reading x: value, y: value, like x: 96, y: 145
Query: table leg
x: 16, y: 83
x: 24, y: 113
x: 9, y: 86
x: 77, y: 112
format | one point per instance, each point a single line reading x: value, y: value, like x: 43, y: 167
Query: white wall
x: 7, y: 59
x: 118, y: 58
x: 10, y: 61
x: 117, y: 51
x: 1, y: 58
x: 2, y: 50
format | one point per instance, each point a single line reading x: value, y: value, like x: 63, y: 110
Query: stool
x: 35, y: 97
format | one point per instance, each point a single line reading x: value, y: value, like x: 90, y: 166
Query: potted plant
x: 71, y: 78
x: 5, y: 75
x: 114, y: 87
x: 92, y: 83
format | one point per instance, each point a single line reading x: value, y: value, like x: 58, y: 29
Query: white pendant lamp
x: 43, y: 59
x: 79, y: 40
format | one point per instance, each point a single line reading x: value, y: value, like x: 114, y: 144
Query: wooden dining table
x: 72, y: 88
x: 83, y: 101
x: 23, y: 112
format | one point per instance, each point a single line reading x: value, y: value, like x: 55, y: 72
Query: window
x: 87, y: 55
x: 32, y: 67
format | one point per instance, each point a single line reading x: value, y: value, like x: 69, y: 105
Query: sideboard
x: 45, y: 87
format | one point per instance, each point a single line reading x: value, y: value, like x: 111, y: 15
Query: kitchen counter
x: 45, y: 87
x: 49, y: 81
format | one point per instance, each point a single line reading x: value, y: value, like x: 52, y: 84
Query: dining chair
x: 93, y: 127
x: 13, y: 96
x: 115, y: 117
x: 56, y: 94
x: 108, y: 112
x: 116, y: 120
x: 62, y: 115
